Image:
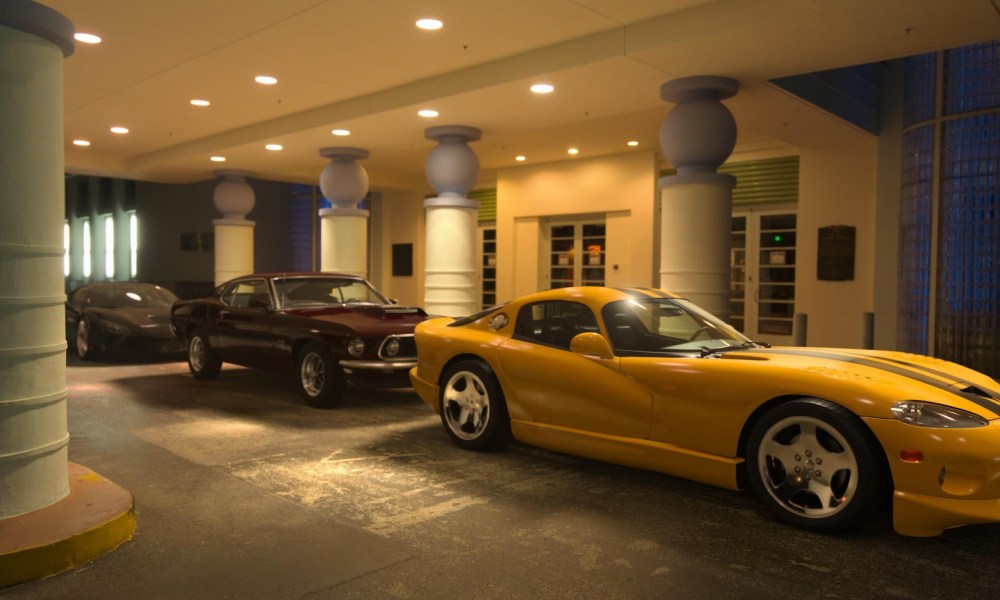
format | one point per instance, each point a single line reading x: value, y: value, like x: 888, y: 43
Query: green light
x: 777, y: 238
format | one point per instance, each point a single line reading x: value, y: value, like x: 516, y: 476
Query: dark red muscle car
x: 327, y: 328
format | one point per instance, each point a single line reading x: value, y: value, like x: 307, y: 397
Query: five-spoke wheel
x: 472, y: 406
x: 84, y: 347
x: 202, y: 360
x: 321, y: 381
x: 815, y: 465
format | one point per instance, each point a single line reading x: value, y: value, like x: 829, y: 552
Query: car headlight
x: 356, y: 347
x: 391, y: 347
x: 926, y: 414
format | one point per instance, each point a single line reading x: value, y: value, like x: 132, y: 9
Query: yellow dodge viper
x: 643, y: 378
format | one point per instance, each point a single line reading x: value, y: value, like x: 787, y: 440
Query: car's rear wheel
x: 815, y: 465
x: 472, y: 406
x: 85, y: 348
x: 202, y: 360
x: 321, y: 381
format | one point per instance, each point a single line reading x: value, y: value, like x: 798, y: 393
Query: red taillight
x: 911, y: 456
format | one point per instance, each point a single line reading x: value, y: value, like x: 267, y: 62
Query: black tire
x: 86, y: 349
x: 815, y: 465
x: 321, y: 381
x: 472, y: 406
x: 203, y: 362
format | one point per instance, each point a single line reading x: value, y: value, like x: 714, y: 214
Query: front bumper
x: 926, y: 516
x: 377, y: 373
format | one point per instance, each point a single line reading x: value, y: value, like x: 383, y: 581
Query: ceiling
x: 365, y: 67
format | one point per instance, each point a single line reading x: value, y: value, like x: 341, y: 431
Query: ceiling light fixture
x: 274, y: 147
x: 119, y: 130
x: 199, y: 102
x: 430, y: 24
x: 573, y: 151
x: 341, y: 132
x: 633, y: 143
x: 81, y: 143
x: 217, y: 158
x: 87, y: 38
x: 520, y: 158
x: 266, y: 80
x: 542, y: 88
x: 427, y: 113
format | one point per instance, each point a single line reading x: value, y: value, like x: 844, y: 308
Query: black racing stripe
x: 640, y: 293
x: 654, y: 292
x: 911, y: 374
x: 994, y: 394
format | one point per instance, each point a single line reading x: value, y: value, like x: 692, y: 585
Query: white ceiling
x: 363, y: 65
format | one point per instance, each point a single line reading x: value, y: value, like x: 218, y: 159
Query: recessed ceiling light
x: 217, y: 158
x: 430, y: 24
x: 542, y: 88
x: 81, y: 142
x: 87, y: 38
x: 520, y: 158
x: 119, y: 130
x: 266, y: 80
x: 199, y: 102
x: 573, y: 151
x: 427, y: 113
x: 341, y: 132
x: 633, y: 143
x: 274, y: 147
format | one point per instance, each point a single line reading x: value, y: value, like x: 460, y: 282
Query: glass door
x: 762, y: 282
x: 488, y: 265
x: 576, y: 254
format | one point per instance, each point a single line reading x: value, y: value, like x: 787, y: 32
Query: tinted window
x: 316, y: 291
x: 554, y: 323
x: 118, y: 296
x: 646, y: 325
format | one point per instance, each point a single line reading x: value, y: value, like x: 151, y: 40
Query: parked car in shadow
x: 326, y: 328
x: 124, y: 318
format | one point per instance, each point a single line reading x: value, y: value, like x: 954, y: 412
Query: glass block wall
x: 950, y: 207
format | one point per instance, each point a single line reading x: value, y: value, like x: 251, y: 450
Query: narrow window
x: 109, y: 247
x: 86, y: 248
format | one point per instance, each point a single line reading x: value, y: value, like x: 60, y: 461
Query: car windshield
x: 640, y: 326
x: 119, y: 296
x: 299, y: 292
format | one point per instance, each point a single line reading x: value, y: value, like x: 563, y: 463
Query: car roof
x: 594, y: 295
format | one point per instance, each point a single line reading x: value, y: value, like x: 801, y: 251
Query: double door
x: 762, y: 282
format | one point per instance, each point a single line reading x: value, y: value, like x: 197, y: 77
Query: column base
x: 95, y: 518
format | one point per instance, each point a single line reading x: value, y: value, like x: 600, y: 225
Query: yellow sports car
x: 642, y: 378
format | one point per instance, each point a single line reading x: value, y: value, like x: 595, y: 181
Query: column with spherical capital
x: 697, y: 136
x: 452, y: 168
x: 234, y: 198
x: 34, y: 40
x: 344, y: 226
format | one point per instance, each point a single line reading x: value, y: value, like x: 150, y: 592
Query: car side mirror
x: 591, y: 344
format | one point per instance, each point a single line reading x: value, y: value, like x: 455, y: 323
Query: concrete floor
x: 242, y: 491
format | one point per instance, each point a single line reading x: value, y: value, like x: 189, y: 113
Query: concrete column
x: 344, y: 227
x: 33, y: 434
x: 452, y: 168
x: 234, y: 198
x: 696, y: 137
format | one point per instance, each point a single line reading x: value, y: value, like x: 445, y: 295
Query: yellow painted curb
x: 95, y: 518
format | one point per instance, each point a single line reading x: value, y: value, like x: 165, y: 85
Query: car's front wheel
x: 472, y: 406
x: 321, y: 381
x: 815, y: 465
x: 85, y: 347
x: 202, y: 360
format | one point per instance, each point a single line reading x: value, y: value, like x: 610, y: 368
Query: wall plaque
x: 836, y: 253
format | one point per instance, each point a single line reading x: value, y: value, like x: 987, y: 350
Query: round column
x: 234, y: 198
x: 450, y: 274
x: 696, y: 204
x: 344, y: 227
x: 33, y: 433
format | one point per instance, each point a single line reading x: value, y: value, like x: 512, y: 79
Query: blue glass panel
x: 918, y: 88
x: 972, y: 79
x: 300, y: 253
x: 915, y: 239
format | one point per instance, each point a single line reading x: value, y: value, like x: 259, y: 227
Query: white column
x: 33, y: 434
x: 696, y: 204
x: 234, y: 198
x: 450, y: 274
x: 344, y: 227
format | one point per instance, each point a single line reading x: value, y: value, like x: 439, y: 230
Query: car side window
x: 248, y: 294
x: 647, y: 327
x: 554, y: 323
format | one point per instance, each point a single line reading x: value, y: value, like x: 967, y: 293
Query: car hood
x: 367, y: 319
x: 892, y: 375
x: 146, y: 320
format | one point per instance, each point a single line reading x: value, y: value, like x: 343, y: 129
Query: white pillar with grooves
x: 34, y: 438
x: 344, y: 226
x: 696, y: 204
x: 234, y: 198
x: 450, y: 274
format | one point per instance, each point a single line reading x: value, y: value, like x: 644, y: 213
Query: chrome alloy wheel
x: 466, y: 405
x: 313, y: 374
x: 808, y: 466
x: 197, y: 353
x: 82, y: 338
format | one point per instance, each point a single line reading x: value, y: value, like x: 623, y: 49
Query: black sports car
x: 121, y: 317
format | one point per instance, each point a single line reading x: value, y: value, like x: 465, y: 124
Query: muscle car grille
x: 407, y: 347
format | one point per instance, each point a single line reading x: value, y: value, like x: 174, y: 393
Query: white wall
x: 399, y: 218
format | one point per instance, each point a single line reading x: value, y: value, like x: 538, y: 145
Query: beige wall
x: 622, y: 189
x: 399, y: 217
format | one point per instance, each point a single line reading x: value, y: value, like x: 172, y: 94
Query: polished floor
x: 242, y: 491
